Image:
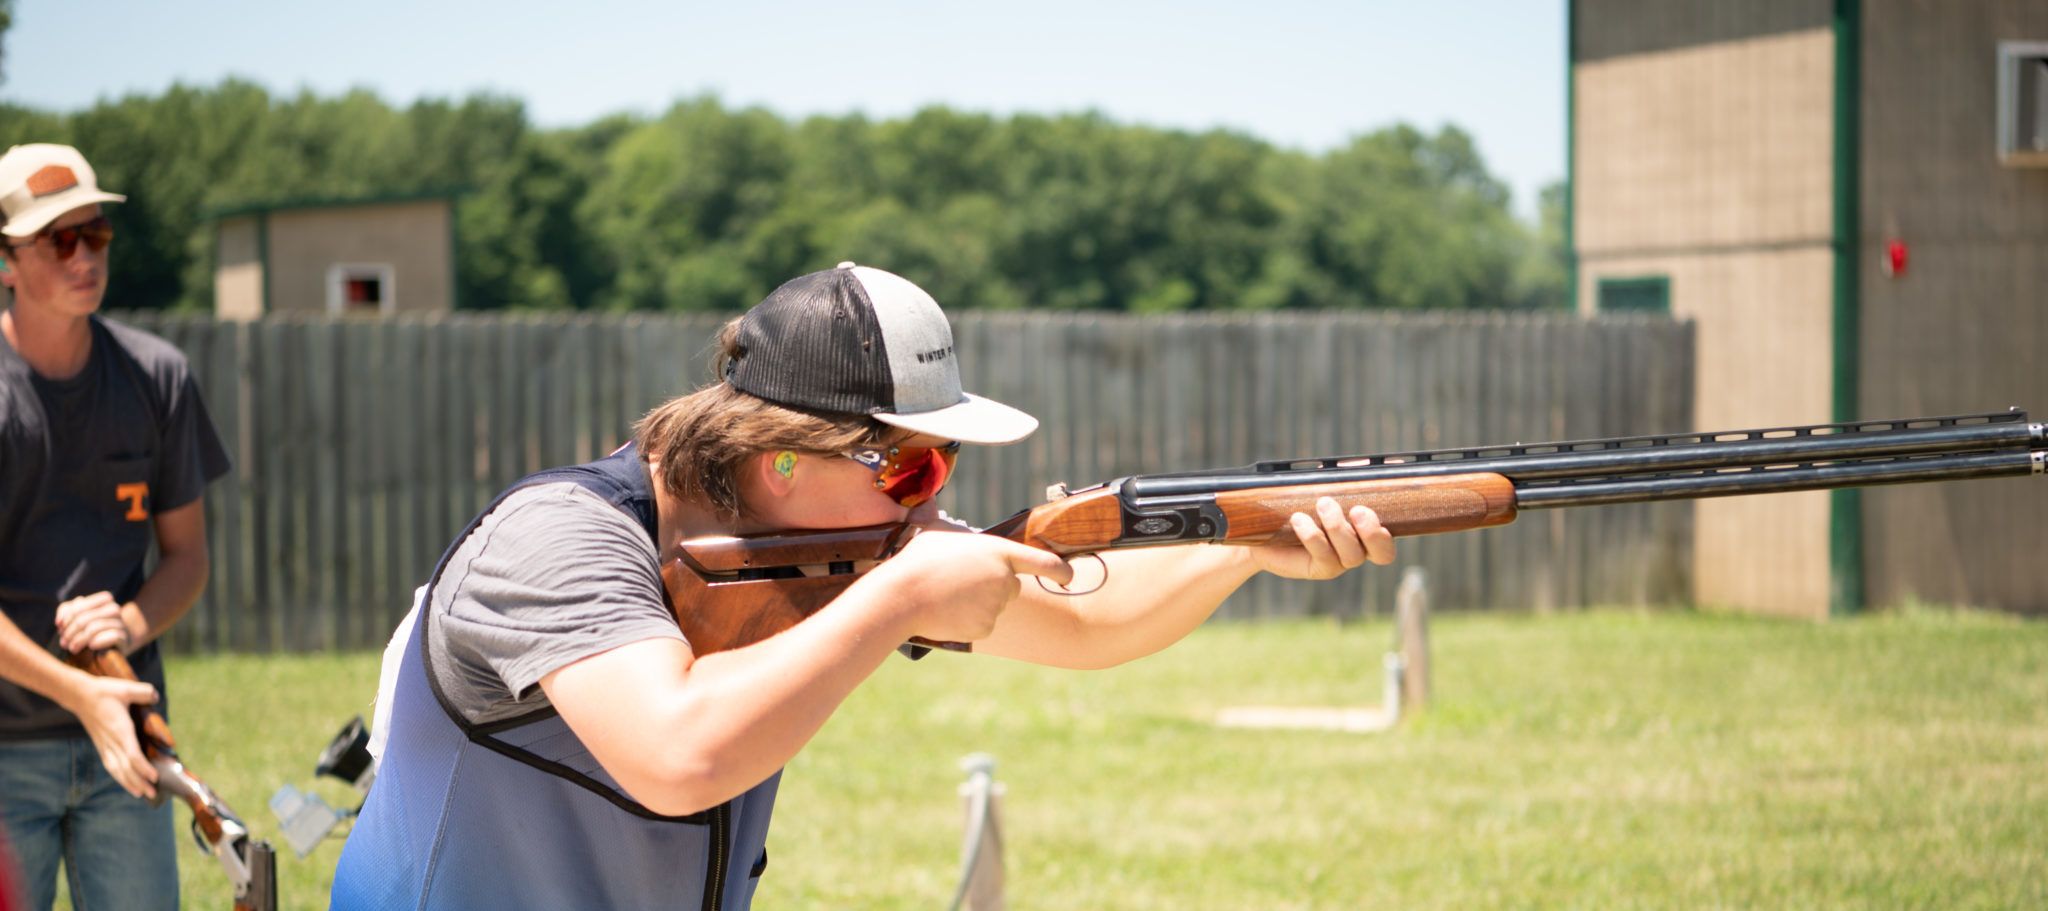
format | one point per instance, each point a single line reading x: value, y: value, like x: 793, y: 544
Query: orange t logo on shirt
x: 134, y: 494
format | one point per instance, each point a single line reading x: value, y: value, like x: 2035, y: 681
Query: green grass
x: 1596, y: 760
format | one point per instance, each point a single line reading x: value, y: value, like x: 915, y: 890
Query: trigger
x: 1064, y: 591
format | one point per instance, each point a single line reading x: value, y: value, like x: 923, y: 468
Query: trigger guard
x: 1065, y: 592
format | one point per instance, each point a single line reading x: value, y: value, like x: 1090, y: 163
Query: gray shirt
x: 553, y: 575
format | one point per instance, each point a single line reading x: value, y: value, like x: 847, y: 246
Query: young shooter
x: 554, y: 742
x: 105, y: 447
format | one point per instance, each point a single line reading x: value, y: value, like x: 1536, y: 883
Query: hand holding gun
x: 250, y: 865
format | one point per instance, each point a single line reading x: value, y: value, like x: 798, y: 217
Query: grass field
x: 1591, y: 760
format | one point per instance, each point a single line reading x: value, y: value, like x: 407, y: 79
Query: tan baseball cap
x: 41, y: 181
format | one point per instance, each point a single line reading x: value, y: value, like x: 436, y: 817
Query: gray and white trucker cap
x: 858, y: 340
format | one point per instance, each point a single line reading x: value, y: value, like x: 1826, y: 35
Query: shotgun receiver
x: 251, y: 865
x: 730, y: 591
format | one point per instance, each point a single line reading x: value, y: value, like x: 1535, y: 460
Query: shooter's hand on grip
x: 955, y: 585
x: 91, y: 623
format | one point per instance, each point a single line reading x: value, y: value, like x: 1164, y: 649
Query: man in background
x: 105, y: 446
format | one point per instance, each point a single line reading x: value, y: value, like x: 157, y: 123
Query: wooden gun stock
x: 733, y: 591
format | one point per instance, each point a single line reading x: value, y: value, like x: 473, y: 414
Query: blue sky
x: 1300, y: 74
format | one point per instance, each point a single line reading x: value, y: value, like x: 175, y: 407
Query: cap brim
x: 39, y: 216
x: 973, y: 420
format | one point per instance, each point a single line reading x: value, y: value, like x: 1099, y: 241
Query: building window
x: 2023, y: 103
x: 361, y: 289
x: 1646, y: 294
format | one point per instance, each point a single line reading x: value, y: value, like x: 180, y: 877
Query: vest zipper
x: 714, y: 882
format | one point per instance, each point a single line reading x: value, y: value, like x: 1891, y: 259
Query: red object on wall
x: 1895, y: 258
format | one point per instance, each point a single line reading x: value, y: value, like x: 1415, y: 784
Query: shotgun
x: 251, y: 865
x: 731, y: 591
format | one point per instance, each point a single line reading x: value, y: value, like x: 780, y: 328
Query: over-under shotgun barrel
x: 1204, y: 505
x: 1635, y: 456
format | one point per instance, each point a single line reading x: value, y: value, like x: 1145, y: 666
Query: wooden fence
x: 361, y: 447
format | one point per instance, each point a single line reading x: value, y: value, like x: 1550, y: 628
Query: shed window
x: 360, y: 288
x: 1647, y: 294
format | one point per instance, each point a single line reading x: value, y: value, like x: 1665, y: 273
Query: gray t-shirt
x: 553, y: 575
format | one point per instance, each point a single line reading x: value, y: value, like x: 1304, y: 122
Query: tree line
x: 707, y: 207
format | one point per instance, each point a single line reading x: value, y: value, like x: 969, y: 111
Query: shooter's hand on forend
x: 1327, y: 543
x: 105, y: 704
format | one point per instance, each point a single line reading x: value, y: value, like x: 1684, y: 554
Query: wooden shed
x: 346, y: 257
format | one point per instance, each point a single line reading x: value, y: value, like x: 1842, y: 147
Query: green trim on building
x: 454, y: 276
x: 263, y: 258
x: 1845, y: 507
x: 1571, y: 145
x: 1633, y: 294
x: 449, y: 194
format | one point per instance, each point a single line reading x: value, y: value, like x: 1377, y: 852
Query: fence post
x: 981, y: 850
x: 1411, y: 608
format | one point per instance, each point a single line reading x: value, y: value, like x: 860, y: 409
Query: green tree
x: 706, y: 208
x: 1396, y: 219
x: 6, y: 22
x: 1542, y: 277
x: 684, y: 206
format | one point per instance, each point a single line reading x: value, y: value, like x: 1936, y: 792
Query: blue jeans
x: 58, y: 802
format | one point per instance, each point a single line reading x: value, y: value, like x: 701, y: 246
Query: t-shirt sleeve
x: 554, y: 575
x: 192, y: 454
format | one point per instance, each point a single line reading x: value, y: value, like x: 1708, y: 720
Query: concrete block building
x: 1850, y: 198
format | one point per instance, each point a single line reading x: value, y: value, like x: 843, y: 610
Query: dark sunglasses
x: 909, y: 474
x: 96, y: 234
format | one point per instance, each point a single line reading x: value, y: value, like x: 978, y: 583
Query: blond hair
x: 703, y: 439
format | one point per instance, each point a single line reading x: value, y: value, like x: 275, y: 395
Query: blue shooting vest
x: 516, y: 813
